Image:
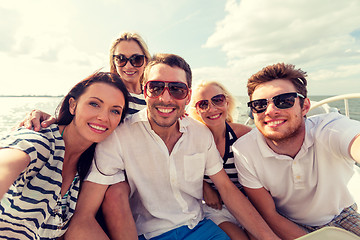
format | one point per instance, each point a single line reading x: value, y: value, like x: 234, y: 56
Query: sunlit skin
x: 215, y: 116
x: 97, y: 113
x: 164, y: 111
x: 129, y: 74
x: 280, y: 126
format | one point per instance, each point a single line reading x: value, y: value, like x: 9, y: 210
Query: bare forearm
x: 284, y: 228
x: 355, y: 148
x: 248, y: 217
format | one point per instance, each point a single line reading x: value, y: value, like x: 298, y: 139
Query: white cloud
x: 314, y: 35
x: 42, y: 58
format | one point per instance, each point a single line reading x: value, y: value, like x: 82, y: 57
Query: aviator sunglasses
x: 135, y: 60
x: 282, y: 101
x: 204, y: 105
x: 178, y: 90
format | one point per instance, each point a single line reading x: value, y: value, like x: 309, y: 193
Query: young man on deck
x: 295, y: 169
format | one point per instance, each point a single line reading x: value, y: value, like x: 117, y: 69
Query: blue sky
x: 47, y: 46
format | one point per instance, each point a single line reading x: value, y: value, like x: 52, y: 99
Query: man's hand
x: 36, y: 119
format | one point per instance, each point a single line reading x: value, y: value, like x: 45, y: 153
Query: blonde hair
x: 129, y: 36
x: 229, y: 98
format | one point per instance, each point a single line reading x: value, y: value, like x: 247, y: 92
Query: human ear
x: 306, y: 107
x: 72, y: 105
x: 188, y: 97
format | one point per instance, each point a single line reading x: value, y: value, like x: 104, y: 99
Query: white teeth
x: 215, y: 116
x: 274, y: 123
x: 165, y: 110
x: 130, y: 73
x: 98, y: 127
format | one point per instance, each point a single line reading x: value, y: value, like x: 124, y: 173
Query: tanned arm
x: 264, y: 203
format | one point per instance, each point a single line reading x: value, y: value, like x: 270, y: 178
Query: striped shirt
x: 32, y: 208
x: 228, y: 159
x: 136, y: 103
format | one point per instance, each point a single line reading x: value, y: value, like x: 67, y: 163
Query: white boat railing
x: 344, y: 97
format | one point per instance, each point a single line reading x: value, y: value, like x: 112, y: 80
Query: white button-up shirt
x: 166, y: 189
x: 312, y: 187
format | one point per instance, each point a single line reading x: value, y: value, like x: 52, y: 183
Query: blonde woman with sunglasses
x: 129, y: 55
x: 213, y: 105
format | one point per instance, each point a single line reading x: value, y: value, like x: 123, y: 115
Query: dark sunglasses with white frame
x: 281, y: 101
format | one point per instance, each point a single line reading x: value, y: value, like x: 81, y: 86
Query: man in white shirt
x: 294, y: 169
x: 165, y: 158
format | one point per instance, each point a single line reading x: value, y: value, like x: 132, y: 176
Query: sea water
x: 14, y: 109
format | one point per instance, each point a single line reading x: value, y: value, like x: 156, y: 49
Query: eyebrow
x: 103, y: 102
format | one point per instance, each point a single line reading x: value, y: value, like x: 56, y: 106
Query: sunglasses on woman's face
x: 135, y: 60
x: 178, y: 90
x: 218, y: 101
x: 282, y: 101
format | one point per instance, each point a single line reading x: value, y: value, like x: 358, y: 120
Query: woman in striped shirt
x: 213, y: 105
x: 41, y: 172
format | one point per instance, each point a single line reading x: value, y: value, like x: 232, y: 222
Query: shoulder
x: 191, y: 123
x: 240, y: 129
x: 45, y: 135
x: 328, y: 121
x: 36, y: 144
x: 246, y: 140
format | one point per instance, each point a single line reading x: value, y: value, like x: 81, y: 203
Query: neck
x: 74, y: 145
x: 169, y: 135
x: 289, y: 146
x: 218, y: 131
x: 133, y: 87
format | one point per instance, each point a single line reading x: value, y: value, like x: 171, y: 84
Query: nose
x: 165, y: 96
x: 103, y: 115
x: 128, y: 64
x: 271, y: 107
x: 211, y: 106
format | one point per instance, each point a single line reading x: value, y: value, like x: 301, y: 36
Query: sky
x: 48, y: 46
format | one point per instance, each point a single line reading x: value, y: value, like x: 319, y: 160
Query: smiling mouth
x: 129, y: 73
x: 165, y: 110
x: 214, y: 116
x: 96, y: 127
x: 274, y: 123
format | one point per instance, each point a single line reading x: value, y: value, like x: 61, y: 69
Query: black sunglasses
x: 178, y: 90
x: 204, y: 105
x: 136, y: 60
x: 282, y: 101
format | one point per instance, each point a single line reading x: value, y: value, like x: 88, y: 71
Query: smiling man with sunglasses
x: 295, y: 169
x: 165, y: 158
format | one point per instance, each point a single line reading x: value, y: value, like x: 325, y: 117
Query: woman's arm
x: 12, y: 163
x: 211, y: 197
x: 83, y: 224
